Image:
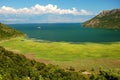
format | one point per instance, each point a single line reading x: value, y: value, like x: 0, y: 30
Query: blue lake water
x: 68, y: 32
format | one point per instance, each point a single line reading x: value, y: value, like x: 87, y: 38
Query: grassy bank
x: 84, y: 55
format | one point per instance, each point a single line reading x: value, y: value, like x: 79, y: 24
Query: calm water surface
x: 68, y: 32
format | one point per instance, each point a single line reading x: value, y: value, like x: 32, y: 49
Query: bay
x: 67, y: 32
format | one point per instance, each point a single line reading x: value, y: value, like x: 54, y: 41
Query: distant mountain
x: 7, y: 32
x: 109, y: 19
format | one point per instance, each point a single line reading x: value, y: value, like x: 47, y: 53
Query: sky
x: 52, y: 11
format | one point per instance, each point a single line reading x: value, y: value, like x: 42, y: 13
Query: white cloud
x: 40, y: 9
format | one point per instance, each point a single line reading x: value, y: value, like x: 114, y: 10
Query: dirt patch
x: 32, y: 57
x: 43, y: 61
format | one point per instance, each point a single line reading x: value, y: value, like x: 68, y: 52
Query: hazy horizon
x: 52, y: 11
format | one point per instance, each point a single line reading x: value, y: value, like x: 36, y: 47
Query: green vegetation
x: 7, y: 32
x: 17, y: 67
x: 79, y: 61
x: 106, y: 19
x: 83, y: 55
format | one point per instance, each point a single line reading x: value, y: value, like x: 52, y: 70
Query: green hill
x: 17, y: 67
x: 7, y: 32
x: 109, y: 19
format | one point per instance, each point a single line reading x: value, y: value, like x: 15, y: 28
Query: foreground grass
x: 86, y: 55
x: 15, y: 66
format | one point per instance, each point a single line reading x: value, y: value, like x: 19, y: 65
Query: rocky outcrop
x: 109, y: 19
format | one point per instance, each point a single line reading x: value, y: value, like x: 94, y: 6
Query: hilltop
x: 7, y: 32
x: 109, y: 19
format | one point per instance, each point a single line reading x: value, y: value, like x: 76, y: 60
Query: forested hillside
x: 17, y: 67
x: 7, y: 32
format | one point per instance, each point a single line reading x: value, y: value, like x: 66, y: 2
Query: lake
x: 67, y: 32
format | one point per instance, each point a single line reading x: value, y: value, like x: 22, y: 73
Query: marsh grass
x: 67, y: 54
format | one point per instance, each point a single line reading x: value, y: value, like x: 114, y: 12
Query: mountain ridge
x: 109, y: 19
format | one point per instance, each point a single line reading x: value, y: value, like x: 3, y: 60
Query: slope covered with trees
x: 17, y: 67
x: 109, y: 19
x: 7, y: 32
